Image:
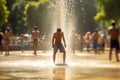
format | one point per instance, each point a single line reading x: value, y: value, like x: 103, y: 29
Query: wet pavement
x: 82, y: 66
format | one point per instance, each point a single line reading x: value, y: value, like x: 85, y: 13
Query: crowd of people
x: 9, y: 41
x: 90, y: 41
x: 97, y: 41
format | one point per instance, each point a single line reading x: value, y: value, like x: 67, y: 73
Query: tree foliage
x: 39, y: 14
x: 107, y: 10
x: 25, y: 14
x: 16, y: 17
x: 3, y: 12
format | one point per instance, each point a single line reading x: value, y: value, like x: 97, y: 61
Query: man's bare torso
x: 95, y: 36
x: 35, y: 34
x: 58, y: 37
x: 114, y: 33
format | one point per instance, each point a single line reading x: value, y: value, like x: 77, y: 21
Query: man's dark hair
x: 35, y: 28
x: 58, y: 29
x: 113, y: 23
x: 96, y: 30
x: 8, y: 29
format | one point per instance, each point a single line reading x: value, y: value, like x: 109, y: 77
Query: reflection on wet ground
x: 82, y: 66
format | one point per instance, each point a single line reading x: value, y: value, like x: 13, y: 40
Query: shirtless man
x: 95, y: 38
x: 36, y: 38
x: 87, y: 39
x: 57, y: 44
x: 8, y: 34
x: 113, y: 32
x: 22, y: 40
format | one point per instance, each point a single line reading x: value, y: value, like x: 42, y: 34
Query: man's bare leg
x: 64, y: 58
x: 54, y: 57
x: 35, y: 49
x: 110, y: 54
x: 117, y: 59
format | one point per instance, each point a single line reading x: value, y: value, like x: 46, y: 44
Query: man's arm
x: 53, y: 41
x: 32, y: 35
x: 108, y: 32
x: 39, y: 37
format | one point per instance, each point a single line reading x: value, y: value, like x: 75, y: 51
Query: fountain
x: 64, y: 18
x: 73, y: 15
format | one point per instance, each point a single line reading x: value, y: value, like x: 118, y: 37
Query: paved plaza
x: 81, y: 66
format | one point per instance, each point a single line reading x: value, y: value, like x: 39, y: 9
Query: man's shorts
x: 60, y: 47
x: 114, y: 44
x: 95, y: 44
x: 35, y: 41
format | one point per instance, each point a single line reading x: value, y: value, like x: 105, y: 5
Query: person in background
x: 7, y: 35
x: 103, y: 41
x: 35, y: 38
x: 87, y: 39
x: 44, y: 43
x: 22, y: 44
x: 113, y: 32
x: 95, y: 38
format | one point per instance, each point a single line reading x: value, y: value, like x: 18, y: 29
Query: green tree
x: 3, y: 12
x: 39, y: 14
x: 16, y: 17
x: 9, y: 4
x: 107, y: 10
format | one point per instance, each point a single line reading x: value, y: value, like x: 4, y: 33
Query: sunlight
x: 91, y: 63
x: 44, y: 63
x: 26, y: 63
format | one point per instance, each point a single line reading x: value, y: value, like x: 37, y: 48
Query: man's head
x: 35, y: 28
x: 96, y: 30
x: 113, y: 23
x: 58, y: 29
x: 8, y: 28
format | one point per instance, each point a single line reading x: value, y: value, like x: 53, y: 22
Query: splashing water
x: 64, y: 17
